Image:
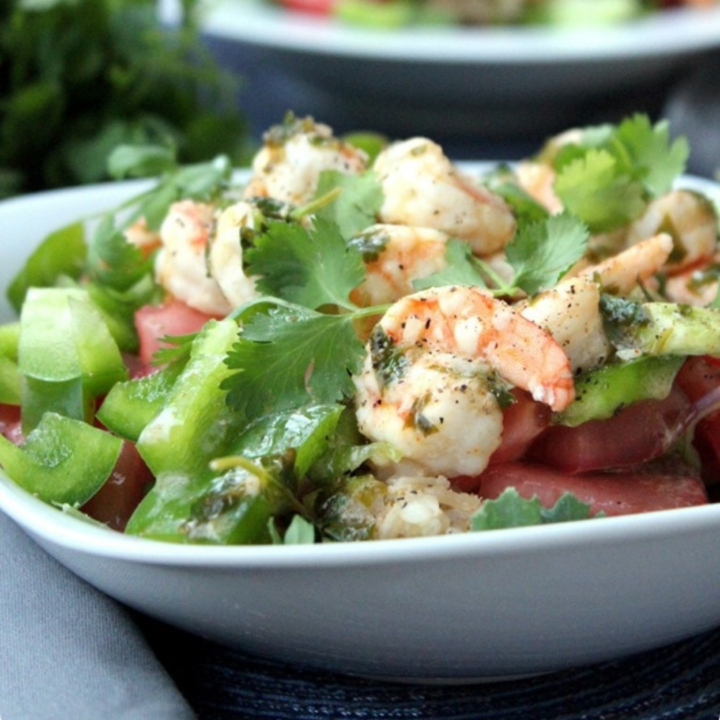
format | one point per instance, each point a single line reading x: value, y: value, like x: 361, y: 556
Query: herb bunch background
x: 79, y: 77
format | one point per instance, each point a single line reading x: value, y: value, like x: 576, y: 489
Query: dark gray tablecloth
x: 67, y: 652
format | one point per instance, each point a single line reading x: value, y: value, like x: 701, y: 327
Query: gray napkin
x: 68, y: 651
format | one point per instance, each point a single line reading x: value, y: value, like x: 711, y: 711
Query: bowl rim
x: 672, y: 32
x: 63, y: 530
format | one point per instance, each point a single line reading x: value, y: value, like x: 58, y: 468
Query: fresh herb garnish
x: 608, y: 176
x: 539, y: 255
x: 510, y: 509
x: 309, y: 267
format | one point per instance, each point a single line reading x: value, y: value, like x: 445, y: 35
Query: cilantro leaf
x: 112, y: 260
x: 128, y: 161
x: 290, y: 357
x: 607, y: 177
x: 510, y: 509
x: 309, y: 267
x: 539, y: 254
x: 592, y: 188
x: 542, y: 252
x: 299, y: 532
x: 461, y: 268
x: 502, y: 181
x: 357, y: 205
x: 650, y: 156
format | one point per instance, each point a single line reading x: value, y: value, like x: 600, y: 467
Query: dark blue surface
x: 678, y: 682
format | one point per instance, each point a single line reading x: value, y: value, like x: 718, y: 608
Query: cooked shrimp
x: 142, y: 237
x: 441, y: 414
x: 423, y: 188
x: 696, y: 286
x: 470, y: 323
x: 289, y: 165
x: 395, y: 255
x: 689, y: 219
x: 571, y: 313
x: 429, y: 382
x: 181, y: 266
x: 537, y: 180
x: 622, y: 272
x: 225, y: 259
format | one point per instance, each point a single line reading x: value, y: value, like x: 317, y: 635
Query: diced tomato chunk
x: 153, y: 322
x: 316, y: 7
x: 638, y: 433
x: 523, y: 421
x: 697, y: 377
x: 656, y: 487
x: 10, y: 425
x: 116, y: 500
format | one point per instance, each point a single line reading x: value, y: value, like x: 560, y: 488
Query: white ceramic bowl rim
x: 63, y: 529
x: 660, y: 34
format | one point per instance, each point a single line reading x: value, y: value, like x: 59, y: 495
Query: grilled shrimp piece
x: 423, y: 188
x: 180, y: 265
x: 142, y: 237
x: 689, y: 219
x: 621, y: 273
x: 570, y: 312
x: 295, y: 153
x: 429, y: 383
x: 395, y: 255
x: 441, y: 414
x: 225, y: 259
x: 537, y: 179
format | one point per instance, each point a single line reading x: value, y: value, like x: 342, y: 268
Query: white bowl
x: 469, y: 81
x: 451, y: 609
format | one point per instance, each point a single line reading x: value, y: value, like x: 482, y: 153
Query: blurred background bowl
x: 481, y: 91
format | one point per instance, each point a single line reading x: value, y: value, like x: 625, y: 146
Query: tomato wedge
x: 635, y: 435
x: 153, y: 322
x: 315, y: 7
x: 697, y: 377
x: 653, y: 487
x: 10, y: 425
x: 123, y: 490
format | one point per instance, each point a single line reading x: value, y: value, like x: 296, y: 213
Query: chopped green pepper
x: 600, y: 393
x: 62, y: 460
x: 66, y: 354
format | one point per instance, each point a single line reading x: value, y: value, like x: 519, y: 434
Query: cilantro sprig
x: 608, y: 176
x: 311, y: 267
x: 540, y: 254
x: 510, y: 509
x: 291, y: 353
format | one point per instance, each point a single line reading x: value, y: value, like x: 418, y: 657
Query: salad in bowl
x: 358, y: 340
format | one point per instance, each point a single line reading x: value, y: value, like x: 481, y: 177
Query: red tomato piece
x: 652, y: 487
x: 635, y: 435
x: 523, y: 421
x: 10, y: 425
x: 116, y: 500
x: 697, y: 377
x: 316, y: 7
x: 174, y: 317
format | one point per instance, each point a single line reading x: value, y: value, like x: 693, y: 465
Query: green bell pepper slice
x: 66, y: 355
x: 62, y: 461
x: 599, y: 394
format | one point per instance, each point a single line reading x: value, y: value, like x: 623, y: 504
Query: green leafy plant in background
x: 79, y: 77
